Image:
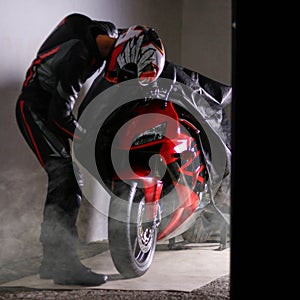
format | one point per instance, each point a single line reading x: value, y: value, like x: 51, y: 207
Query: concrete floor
x: 172, y: 270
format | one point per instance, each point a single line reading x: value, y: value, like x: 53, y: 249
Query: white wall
x: 24, y: 24
x: 206, y: 38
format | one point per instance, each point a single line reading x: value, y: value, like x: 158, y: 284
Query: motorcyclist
x: 73, y: 52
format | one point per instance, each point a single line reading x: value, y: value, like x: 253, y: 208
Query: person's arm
x: 70, y: 79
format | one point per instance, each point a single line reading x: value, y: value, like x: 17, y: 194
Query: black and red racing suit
x: 67, y: 58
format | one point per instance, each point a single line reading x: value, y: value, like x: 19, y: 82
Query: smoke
x: 23, y: 194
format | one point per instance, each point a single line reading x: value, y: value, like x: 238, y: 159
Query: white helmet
x: 138, y: 53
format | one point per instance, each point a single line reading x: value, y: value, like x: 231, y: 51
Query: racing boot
x: 72, y: 272
x: 67, y: 269
x: 61, y: 263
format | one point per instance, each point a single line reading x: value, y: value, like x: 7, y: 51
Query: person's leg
x: 58, y: 230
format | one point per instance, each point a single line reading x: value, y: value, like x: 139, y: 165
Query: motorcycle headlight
x: 150, y: 135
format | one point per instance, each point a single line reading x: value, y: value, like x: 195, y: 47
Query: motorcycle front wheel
x: 132, y: 241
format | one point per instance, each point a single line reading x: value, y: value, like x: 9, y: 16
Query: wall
x: 206, y: 38
x: 25, y: 24
x: 23, y: 27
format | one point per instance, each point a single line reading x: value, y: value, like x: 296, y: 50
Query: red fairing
x: 149, y: 116
x: 188, y: 202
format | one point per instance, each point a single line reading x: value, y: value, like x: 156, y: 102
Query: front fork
x: 152, y: 188
x: 152, y: 191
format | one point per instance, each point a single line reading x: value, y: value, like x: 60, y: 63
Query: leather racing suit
x: 67, y: 58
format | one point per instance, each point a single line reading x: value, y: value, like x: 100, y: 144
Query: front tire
x: 132, y: 241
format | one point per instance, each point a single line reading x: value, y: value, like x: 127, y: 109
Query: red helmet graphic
x: 138, y: 53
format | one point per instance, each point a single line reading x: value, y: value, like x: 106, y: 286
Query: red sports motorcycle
x: 159, y: 159
x: 153, y: 163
